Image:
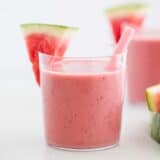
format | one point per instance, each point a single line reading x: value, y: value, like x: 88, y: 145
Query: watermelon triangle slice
x: 153, y: 98
x: 46, y: 38
x: 153, y: 101
x: 132, y: 14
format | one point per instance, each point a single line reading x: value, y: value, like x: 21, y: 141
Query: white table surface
x: 22, y: 138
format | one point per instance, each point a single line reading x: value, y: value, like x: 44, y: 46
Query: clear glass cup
x: 82, y: 101
x: 143, y: 64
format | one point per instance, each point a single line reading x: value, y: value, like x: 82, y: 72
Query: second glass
x: 143, y: 63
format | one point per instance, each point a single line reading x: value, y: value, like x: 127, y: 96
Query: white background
x: 21, y: 125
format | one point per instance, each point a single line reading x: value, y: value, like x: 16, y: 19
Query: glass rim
x: 49, y: 62
x: 122, y: 54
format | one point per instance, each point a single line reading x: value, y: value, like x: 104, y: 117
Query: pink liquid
x: 82, y: 104
x: 143, y: 64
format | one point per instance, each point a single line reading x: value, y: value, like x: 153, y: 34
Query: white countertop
x: 21, y: 130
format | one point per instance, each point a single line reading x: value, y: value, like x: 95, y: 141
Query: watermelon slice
x: 153, y: 98
x: 155, y: 126
x: 46, y: 38
x: 153, y: 101
x: 132, y: 14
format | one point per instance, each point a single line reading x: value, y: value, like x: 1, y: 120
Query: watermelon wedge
x: 153, y: 101
x: 132, y: 14
x: 155, y: 126
x: 46, y: 38
x: 153, y: 98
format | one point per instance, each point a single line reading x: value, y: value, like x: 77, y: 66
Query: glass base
x: 135, y: 103
x: 85, y: 149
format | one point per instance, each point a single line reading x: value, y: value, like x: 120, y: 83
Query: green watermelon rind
x: 127, y: 8
x: 155, y: 126
x: 150, y: 94
x: 149, y: 102
x: 49, y: 29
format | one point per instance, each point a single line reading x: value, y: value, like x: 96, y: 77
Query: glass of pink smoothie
x: 143, y: 63
x: 82, y: 101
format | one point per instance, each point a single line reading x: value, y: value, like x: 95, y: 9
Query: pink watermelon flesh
x: 157, y: 102
x: 46, y: 44
x: 117, y: 23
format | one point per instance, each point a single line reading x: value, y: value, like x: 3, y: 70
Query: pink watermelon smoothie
x: 82, y: 104
x: 143, y: 63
